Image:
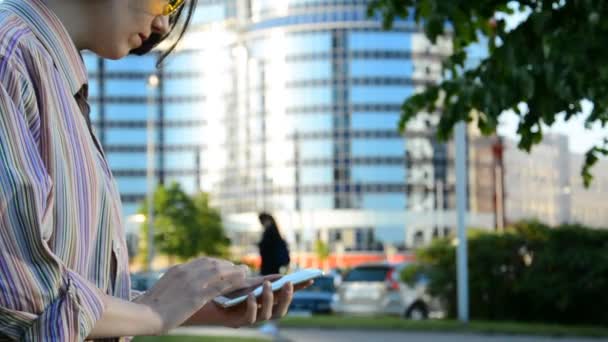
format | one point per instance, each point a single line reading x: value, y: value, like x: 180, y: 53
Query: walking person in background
x: 273, y: 248
x: 275, y: 257
x: 64, y: 268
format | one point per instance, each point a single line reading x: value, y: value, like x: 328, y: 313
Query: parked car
x: 376, y: 289
x: 319, y: 298
x: 143, y: 281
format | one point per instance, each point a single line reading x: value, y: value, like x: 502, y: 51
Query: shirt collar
x: 49, y: 30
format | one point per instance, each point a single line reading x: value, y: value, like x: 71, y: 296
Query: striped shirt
x: 62, y: 240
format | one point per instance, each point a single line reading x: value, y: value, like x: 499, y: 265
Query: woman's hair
x: 178, y: 23
x: 271, y: 231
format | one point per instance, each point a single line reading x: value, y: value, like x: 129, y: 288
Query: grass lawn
x: 396, y: 323
x: 195, y: 339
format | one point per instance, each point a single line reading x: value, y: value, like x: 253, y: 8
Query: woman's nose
x: 160, y: 25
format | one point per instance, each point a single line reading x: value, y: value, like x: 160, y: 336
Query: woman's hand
x: 268, y: 306
x: 185, y: 289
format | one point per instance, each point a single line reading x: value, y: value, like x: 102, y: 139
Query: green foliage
x: 545, y: 66
x: 437, y: 262
x: 184, y: 226
x: 531, y: 273
x: 210, y: 226
x: 321, y: 250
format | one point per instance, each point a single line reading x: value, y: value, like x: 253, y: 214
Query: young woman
x: 63, y: 258
x: 273, y: 248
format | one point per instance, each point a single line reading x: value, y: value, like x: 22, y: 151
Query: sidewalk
x: 220, y: 331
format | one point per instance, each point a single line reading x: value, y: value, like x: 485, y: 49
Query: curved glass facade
x: 121, y: 103
x: 287, y: 105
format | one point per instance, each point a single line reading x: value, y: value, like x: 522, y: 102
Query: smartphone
x: 239, y: 296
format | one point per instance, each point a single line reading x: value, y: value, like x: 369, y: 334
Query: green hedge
x: 531, y: 273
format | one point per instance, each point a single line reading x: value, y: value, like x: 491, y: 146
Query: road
x: 316, y: 335
x: 307, y: 335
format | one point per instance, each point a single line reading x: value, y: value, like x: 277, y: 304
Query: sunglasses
x: 172, y: 6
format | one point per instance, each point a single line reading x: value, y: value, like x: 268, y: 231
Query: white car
x: 376, y: 289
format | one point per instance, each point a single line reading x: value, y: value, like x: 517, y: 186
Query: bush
x: 531, y: 273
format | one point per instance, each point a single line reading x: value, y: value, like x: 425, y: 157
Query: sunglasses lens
x: 172, y: 6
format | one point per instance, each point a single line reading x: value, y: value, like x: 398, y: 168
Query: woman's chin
x: 114, y: 53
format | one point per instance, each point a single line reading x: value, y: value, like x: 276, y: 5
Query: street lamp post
x: 461, y: 205
x: 152, y: 85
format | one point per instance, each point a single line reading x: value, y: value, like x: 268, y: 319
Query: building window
x: 125, y: 87
x: 380, y: 94
x: 145, y: 64
x: 132, y: 185
x: 123, y: 136
x: 312, y: 175
x: 309, y: 202
x: 303, y: 96
x: 180, y: 160
x: 378, y: 174
x: 188, y: 86
x: 184, y: 135
x: 129, y: 112
x: 390, y: 234
x: 378, y: 147
x: 381, y: 68
x: 308, y: 70
x: 209, y: 13
x: 311, y: 122
x: 383, y: 201
x: 383, y: 41
x: 374, y: 121
x: 127, y: 160
x: 316, y: 149
x: 91, y: 62
x: 184, y: 111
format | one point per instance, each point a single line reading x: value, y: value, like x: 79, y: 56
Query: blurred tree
x: 209, y: 225
x: 184, y: 226
x: 321, y: 250
x: 531, y: 273
x: 546, y: 65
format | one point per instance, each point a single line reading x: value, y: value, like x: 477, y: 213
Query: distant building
x: 486, y: 177
x: 537, y: 184
x: 589, y: 206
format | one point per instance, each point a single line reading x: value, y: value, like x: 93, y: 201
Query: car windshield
x: 367, y: 274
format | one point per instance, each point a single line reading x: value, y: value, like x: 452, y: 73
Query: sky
x: 580, y: 139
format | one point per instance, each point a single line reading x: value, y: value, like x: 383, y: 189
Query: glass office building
x: 287, y: 106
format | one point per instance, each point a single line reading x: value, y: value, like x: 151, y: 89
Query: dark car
x: 319, y: 298
x: 143, y: 281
